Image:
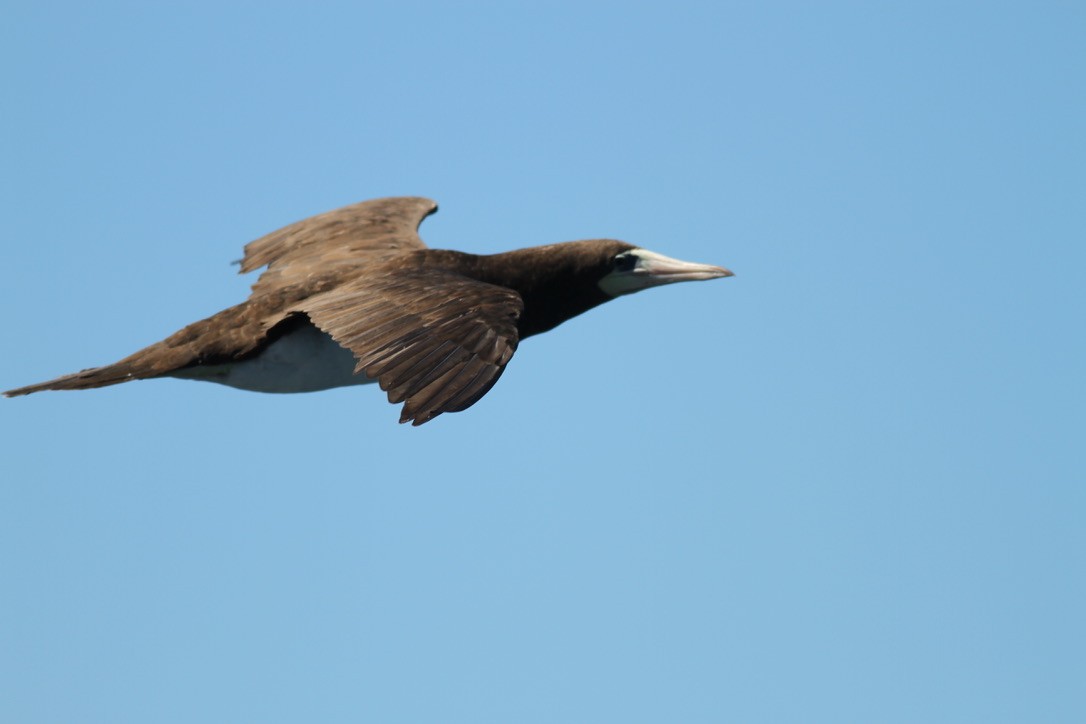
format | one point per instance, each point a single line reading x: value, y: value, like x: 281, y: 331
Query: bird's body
x: 354, y: 296
x: 303, y: 359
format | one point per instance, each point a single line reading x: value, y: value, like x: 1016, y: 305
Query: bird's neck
x: 555, y: 286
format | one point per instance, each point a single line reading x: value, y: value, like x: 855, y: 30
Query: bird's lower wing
x: 434, y: 340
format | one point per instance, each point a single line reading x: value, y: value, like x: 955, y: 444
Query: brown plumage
x: 434, y: 328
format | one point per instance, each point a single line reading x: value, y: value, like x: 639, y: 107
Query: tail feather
x: 86, y: 379
x: 229, y: 335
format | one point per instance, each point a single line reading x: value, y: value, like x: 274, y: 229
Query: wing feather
x: 347, y: 237
x: 438, y: 350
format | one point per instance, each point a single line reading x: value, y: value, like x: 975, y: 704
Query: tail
x: 202, y: 342
x: 113, y: 374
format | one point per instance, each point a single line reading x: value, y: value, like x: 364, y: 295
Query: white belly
x: 304, y: 360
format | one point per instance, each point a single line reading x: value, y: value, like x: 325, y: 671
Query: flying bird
x: 353, y: 296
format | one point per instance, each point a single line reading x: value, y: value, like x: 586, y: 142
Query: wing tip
x: 416, y: 419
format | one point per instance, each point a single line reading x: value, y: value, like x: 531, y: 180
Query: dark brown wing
x: 433, y: 339
x: 350, y: 236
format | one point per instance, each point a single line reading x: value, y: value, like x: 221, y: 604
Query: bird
x: 354, y: 296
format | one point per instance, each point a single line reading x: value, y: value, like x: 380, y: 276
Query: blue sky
x: 846, y: 485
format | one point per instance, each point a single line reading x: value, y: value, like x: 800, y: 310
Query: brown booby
x: 354, y: 296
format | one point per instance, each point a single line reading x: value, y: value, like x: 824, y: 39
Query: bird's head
x: 630, y: 269
x: 560, y: 281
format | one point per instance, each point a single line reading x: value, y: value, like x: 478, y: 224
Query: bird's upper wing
x: 435, y: 340
x: 351, y: 235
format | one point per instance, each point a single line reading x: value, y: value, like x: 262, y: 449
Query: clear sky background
x: 846, y: 485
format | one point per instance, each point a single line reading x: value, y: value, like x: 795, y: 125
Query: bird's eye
x: 625, y: 262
